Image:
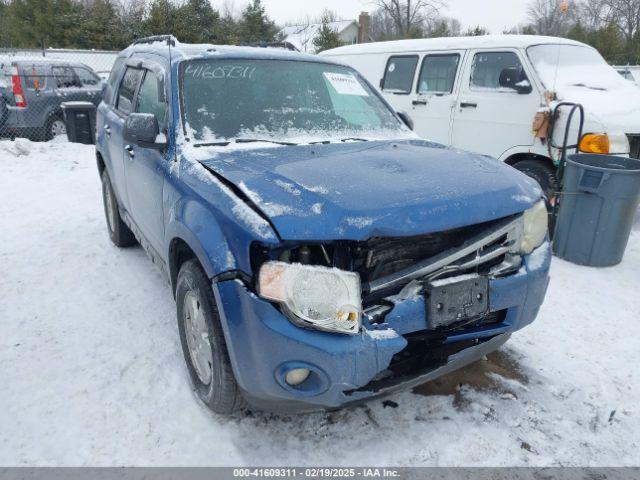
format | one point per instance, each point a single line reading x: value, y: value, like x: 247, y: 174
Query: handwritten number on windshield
x: 208, y: 71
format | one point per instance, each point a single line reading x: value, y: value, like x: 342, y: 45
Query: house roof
x: 302, y: 36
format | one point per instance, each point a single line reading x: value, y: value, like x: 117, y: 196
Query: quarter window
x: 34, y: 77
x: 150, y: 98
x: 489, y: 67
x: 438, y: 73
x: 398, y: 76
x: 127, y: 89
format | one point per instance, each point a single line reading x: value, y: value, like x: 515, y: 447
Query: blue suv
x: 319, y: 252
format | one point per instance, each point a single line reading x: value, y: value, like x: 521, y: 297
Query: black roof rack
x: 170, y: 39
x: 285, y: 45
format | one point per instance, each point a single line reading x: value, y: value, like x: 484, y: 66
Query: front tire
x: 543, y: 174
x: 203, y: 343
x: 120, y: 234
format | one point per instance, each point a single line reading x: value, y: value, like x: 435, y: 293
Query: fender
x: 194, y: 224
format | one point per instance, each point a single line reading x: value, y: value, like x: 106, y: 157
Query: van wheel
x: 55, y: 127
x: 203, y: 344
x: 543, y: 174
x: 120, y: 234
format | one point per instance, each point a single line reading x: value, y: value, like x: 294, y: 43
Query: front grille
x: 634, y: 145
x: 379, y: 257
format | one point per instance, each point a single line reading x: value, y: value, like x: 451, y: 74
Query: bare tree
x: 548, y: 17
x: 408, y: 16
x: 625, y: 15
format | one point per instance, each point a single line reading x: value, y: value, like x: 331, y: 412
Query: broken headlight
x: 318, y: 297
x: 535, y: 226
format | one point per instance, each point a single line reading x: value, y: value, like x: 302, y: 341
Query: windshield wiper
x: 255, y: 140
x: 212, y: 144
x: 353, y: 139
x: 589, y: 86
x: 242, y: 140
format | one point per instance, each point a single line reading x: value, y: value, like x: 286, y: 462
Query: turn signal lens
x: 595, y: 143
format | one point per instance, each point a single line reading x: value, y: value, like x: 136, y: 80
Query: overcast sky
x: 496, y: 15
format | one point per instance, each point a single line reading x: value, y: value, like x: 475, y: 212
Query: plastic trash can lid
x: 77, y: 105
x: 606, y: 162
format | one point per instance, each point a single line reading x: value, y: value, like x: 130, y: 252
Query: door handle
x: 130, y: 151
x: 468, y: 105
x: 107, y: 130
x: 419, y: 102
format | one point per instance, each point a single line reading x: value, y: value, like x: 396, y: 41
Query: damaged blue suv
x: 320, y: 253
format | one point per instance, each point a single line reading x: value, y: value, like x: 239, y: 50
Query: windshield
x: 573, y: 65
x: 281, y: 101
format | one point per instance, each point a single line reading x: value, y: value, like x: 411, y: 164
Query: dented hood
x: 359, y: 190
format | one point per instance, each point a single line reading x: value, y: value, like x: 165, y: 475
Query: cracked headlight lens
x: 319, y: 297
x: 535, y: 227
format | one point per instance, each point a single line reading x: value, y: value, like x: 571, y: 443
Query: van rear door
x: 434, y: 98
x: 490, y: 117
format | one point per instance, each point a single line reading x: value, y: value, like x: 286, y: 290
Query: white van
x: 483, y: 93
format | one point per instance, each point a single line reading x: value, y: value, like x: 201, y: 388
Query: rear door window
x: 65, y: 78
x: 127, y: 90
x: 438, y: 73
x: 399, y: 74
x: 113, y: 80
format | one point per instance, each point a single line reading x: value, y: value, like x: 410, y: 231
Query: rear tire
x: 543, y: 174
x: 203, y: 343
x: 120, y: 234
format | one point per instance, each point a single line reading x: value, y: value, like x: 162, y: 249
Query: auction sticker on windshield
x: 345, y: 84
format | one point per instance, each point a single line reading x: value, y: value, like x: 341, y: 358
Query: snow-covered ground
x: 91, y: 371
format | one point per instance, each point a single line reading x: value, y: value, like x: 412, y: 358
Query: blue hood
x: 360, y: 190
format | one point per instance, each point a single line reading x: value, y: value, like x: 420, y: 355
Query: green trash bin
x: 598, y: 204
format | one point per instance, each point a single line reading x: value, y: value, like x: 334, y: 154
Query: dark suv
x: 319, y: 252
x: 32, y: 89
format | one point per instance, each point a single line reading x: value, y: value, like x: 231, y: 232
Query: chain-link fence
x: 34, y: 83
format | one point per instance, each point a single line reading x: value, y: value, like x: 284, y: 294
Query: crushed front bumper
x: 263, y: 344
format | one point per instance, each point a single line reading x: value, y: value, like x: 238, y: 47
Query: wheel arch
x: 520, y: 156
x: 200, y: 238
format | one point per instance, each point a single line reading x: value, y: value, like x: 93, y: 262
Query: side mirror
x: 512, y: 77
x: 406, y: 119
x: 142, y: 129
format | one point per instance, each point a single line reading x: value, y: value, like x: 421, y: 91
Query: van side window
x: 438, y: 73
x: 398, y: 76
x: 113, y: 80
x: 150, y: 98
x: 489, y: 68
x: 127, y: 89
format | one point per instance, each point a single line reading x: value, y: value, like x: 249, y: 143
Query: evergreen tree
x: 197, y: 22
x: 102, y: 26
x: 162, y: 18
x: 477, y: 31
x: 255, y: 26
x: 327, y: 37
